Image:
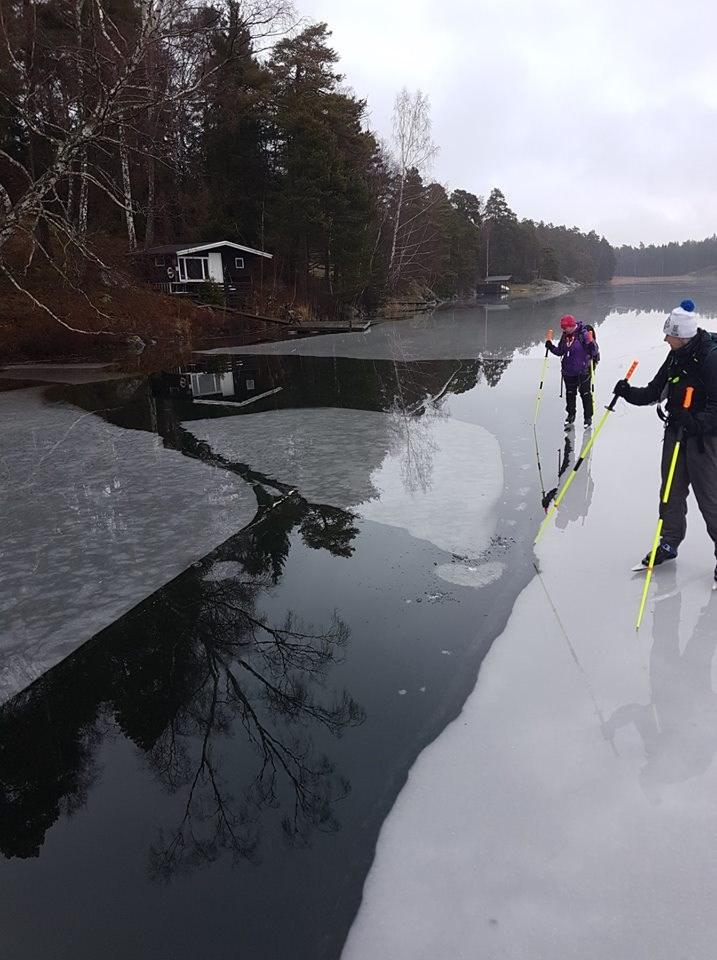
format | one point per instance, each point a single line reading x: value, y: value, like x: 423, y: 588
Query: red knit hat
x: 568, y: 322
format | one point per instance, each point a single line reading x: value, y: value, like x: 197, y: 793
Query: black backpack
x: 591, y: 328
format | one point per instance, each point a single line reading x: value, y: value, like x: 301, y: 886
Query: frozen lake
x: 243, y: 608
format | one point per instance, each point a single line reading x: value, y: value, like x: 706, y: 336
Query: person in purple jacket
x: 578, y: 350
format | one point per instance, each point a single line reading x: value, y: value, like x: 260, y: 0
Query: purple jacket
x: 576, y: 353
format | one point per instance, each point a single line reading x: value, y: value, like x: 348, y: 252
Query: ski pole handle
x: 686, y: 404
x: 615, y: 398
x: 549, y: 337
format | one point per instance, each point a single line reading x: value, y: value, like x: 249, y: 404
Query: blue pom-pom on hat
x: 688, y: 305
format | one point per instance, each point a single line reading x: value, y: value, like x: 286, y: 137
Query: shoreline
x: 641, y: 281
x: 185, y: 334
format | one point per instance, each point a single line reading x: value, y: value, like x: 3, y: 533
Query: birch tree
x: 414, y: 151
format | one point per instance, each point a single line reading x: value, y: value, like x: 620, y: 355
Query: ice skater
x: 691, y: 362
x: 577, y: 349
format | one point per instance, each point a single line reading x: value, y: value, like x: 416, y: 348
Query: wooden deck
x: 329, y: 326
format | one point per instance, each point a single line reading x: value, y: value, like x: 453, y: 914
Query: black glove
x: 622, y: 389
x: 548, y: 344
x: 686, y: 420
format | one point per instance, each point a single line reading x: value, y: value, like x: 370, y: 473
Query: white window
x: 206, y: 384
x: 250, y: 384
x: 239, y: 263
x: 193, y: 269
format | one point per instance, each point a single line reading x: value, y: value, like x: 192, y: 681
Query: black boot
x: 664, y: 552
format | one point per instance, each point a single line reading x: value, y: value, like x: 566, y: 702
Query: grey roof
x: 501, y: 279
x: 195, y: 246
x: 163, y: 248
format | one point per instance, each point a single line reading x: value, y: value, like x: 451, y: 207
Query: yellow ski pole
x: 592, y: 373
x: 686, y: 404
x: 542, y: 379
x: 540, y: 469
x: 579, y: 462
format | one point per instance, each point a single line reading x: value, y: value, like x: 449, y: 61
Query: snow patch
x: 391, y: 468
x: 471, y: 576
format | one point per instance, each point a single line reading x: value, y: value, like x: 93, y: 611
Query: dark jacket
x: 576, y: 352
x: 694, y: 365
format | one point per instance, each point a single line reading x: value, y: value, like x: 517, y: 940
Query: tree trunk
x: 84, y: 186
x: 70, y: 196
x: 399, y: 208
x: 149, y: 226
x: 327, y: 262
x: 127, y: 191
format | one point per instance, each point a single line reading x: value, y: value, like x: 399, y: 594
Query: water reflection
x: 222, y: 700
x: 331, y: 458
x: 678, y: 727
x: 411, y: 440
x: 548, y: 496
x: 194, y: 391
x: 577, y: 501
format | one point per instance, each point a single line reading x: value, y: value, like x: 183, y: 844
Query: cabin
x: 203, y: 270
x: 493, y: 286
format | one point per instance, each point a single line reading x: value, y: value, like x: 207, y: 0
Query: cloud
x: 602, y: 115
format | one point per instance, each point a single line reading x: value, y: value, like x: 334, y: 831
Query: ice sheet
x: 435, y: 477
x: 94, y: 518
x: 569, y: 810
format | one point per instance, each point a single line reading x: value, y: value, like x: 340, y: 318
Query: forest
x: 127, y: 123
x: 668, y: 259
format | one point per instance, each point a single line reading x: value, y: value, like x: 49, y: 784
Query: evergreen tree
x: 234, y: 141
x: 324, y: 210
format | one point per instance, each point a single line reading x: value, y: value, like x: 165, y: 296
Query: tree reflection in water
x: 223, y: 703
x: 182, y: 675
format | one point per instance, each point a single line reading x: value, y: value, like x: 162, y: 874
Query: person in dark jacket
x: 691, y: 362
x: 578, y: 349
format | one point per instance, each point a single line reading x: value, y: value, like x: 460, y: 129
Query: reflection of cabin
x: 201, y: 270
x: 236, y: 383
x: 493, y: 286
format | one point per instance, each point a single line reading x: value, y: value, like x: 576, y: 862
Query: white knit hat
x: 681, y: 323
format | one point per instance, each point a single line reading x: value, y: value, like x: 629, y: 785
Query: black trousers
x: 696, y: 468
x: 572, y: 386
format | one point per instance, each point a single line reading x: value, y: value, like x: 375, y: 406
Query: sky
x: 596, y: 113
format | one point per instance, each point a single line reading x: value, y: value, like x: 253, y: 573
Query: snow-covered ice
x: 569, y: 811
x: 422, y: 468
x: 94, y: 519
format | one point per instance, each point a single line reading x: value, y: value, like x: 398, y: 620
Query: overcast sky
x: 595, y: 113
